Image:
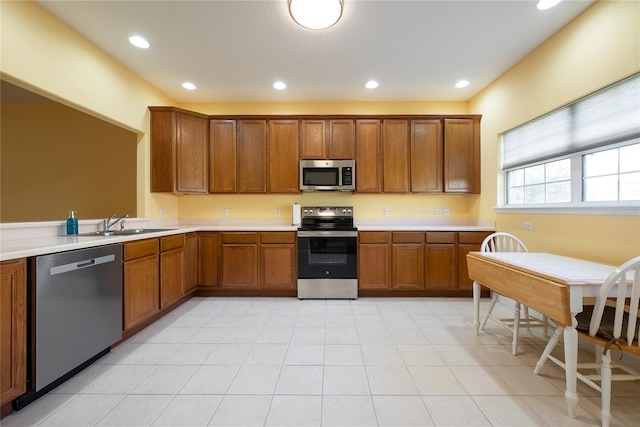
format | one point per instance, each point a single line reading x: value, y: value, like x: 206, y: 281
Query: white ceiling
x: 235, y: 50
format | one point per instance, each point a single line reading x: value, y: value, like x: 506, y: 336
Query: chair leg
x: 494, y: 299
x: 553, y: 341
x: 545, y: 320
x: 516, y: 330
x: 605, y: 386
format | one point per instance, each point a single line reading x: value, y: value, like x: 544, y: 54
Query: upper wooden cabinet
x: 179, y: 158
x: 426, y: 156
x: 462, y: 156
x: 252, y: 156
x: 395, y: 156
x: 368, y: 158
x: 222, y: 156
x: 284, y: 167
x: 327, y: 139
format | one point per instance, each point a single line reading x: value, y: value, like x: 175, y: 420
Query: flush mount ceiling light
x: 139, y: 41
x: 371, y: 84
x: 189, y: 86
x: 462, y: 83
x: 316, y: 14
x: 279, y: 85
x: 547, y: 4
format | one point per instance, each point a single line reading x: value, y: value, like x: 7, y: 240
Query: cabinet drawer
x: 408, y: 237
x: 140, y: 248
x: 441, y: 237
x: 239, y: 237
x: 171, y: 242
x: 472, y: 236
x: 374, y: 236
x: 282, y: 237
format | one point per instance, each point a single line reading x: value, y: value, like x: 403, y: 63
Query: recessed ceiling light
x: 188, y: 86
x: 547, y: 4
x: 279, y: 85
x: 371, y: 84
x: 462, y: 83
x: 139, y: 41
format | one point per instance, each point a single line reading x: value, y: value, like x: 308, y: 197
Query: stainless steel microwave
x: 327, y: 175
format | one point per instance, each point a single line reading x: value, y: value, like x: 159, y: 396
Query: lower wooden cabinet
x: 141, y: 281
x: 208, y: 259
x: 13, y: 330
x: 429, y: 263
x: 407, y: 260
x: 278, y: 260
x: 190, y: 263
x: 374, y: 260
x: 253, y: 261
x: 238, y: 260
x: 441, y: 261
x: 172, y: 272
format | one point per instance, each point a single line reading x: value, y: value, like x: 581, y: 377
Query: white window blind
x: 605, y: 117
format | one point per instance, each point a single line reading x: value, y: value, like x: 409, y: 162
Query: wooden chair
x: 612, y: 324
x: 505, y: 242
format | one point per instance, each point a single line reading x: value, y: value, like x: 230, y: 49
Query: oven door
x: 327, y: 254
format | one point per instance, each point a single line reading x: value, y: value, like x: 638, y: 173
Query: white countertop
x: 33, y: 239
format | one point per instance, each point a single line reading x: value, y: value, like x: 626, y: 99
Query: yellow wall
x: 42, y: 54
x: 55, y: 159
x: 599, y: 47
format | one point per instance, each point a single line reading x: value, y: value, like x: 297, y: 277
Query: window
x: 588, y: 151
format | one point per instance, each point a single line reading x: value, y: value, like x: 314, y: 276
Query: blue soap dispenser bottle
x: 72, y: 223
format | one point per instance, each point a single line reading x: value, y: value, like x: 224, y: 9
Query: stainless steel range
x: 327, y: 253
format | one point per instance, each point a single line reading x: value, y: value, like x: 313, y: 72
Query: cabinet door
x: 395, y: 156
x: 239, y: 266
x: 469, y: 241
x: 13, y: 330
x: 312, y: 140
x: 192, y: 158
x: 441, y: 266
x: 190, y: 262
x: 462, y: 156
x: 208, y: 253
x: 141, y: 290
x: 278, y: 266
x: 284, y: 163
x: 373, y: 266
x: 342, y: 138
x: 426, y: 156
x: 368, y: 157
x: 171, y: 276
x: 222, y: 156
x: 163, y: 165
x: 407, y: 260
x: 252, y: 156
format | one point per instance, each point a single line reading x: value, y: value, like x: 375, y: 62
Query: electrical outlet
x: 161, y: 213
x: 438, y: 212
x: 447, y: 212
x: 527, y: 226
x: 277, y: 212
x: 385, y: 212
x: 225, y: 212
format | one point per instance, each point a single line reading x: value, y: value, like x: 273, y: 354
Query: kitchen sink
x: 130, y: 232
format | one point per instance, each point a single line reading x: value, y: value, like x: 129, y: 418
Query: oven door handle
x: 327, y: 233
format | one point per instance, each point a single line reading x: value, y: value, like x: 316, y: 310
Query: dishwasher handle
x: 78, y: 265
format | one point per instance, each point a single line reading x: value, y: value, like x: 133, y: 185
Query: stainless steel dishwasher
x: 76, y: 313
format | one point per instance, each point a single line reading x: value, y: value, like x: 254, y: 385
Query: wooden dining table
x: 550, y: 284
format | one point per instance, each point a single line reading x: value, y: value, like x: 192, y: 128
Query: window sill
x: 594, y: 208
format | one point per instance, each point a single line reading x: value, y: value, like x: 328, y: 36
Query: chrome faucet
x: 108, y: 223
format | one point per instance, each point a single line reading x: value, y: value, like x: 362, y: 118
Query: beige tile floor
x: 286, y: 362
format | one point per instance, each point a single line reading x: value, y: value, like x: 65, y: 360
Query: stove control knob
x: 349, y: 211
x: 306, y: 211
x: 326, y: 272
x: 344, y: 211
x: 310, y: 211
